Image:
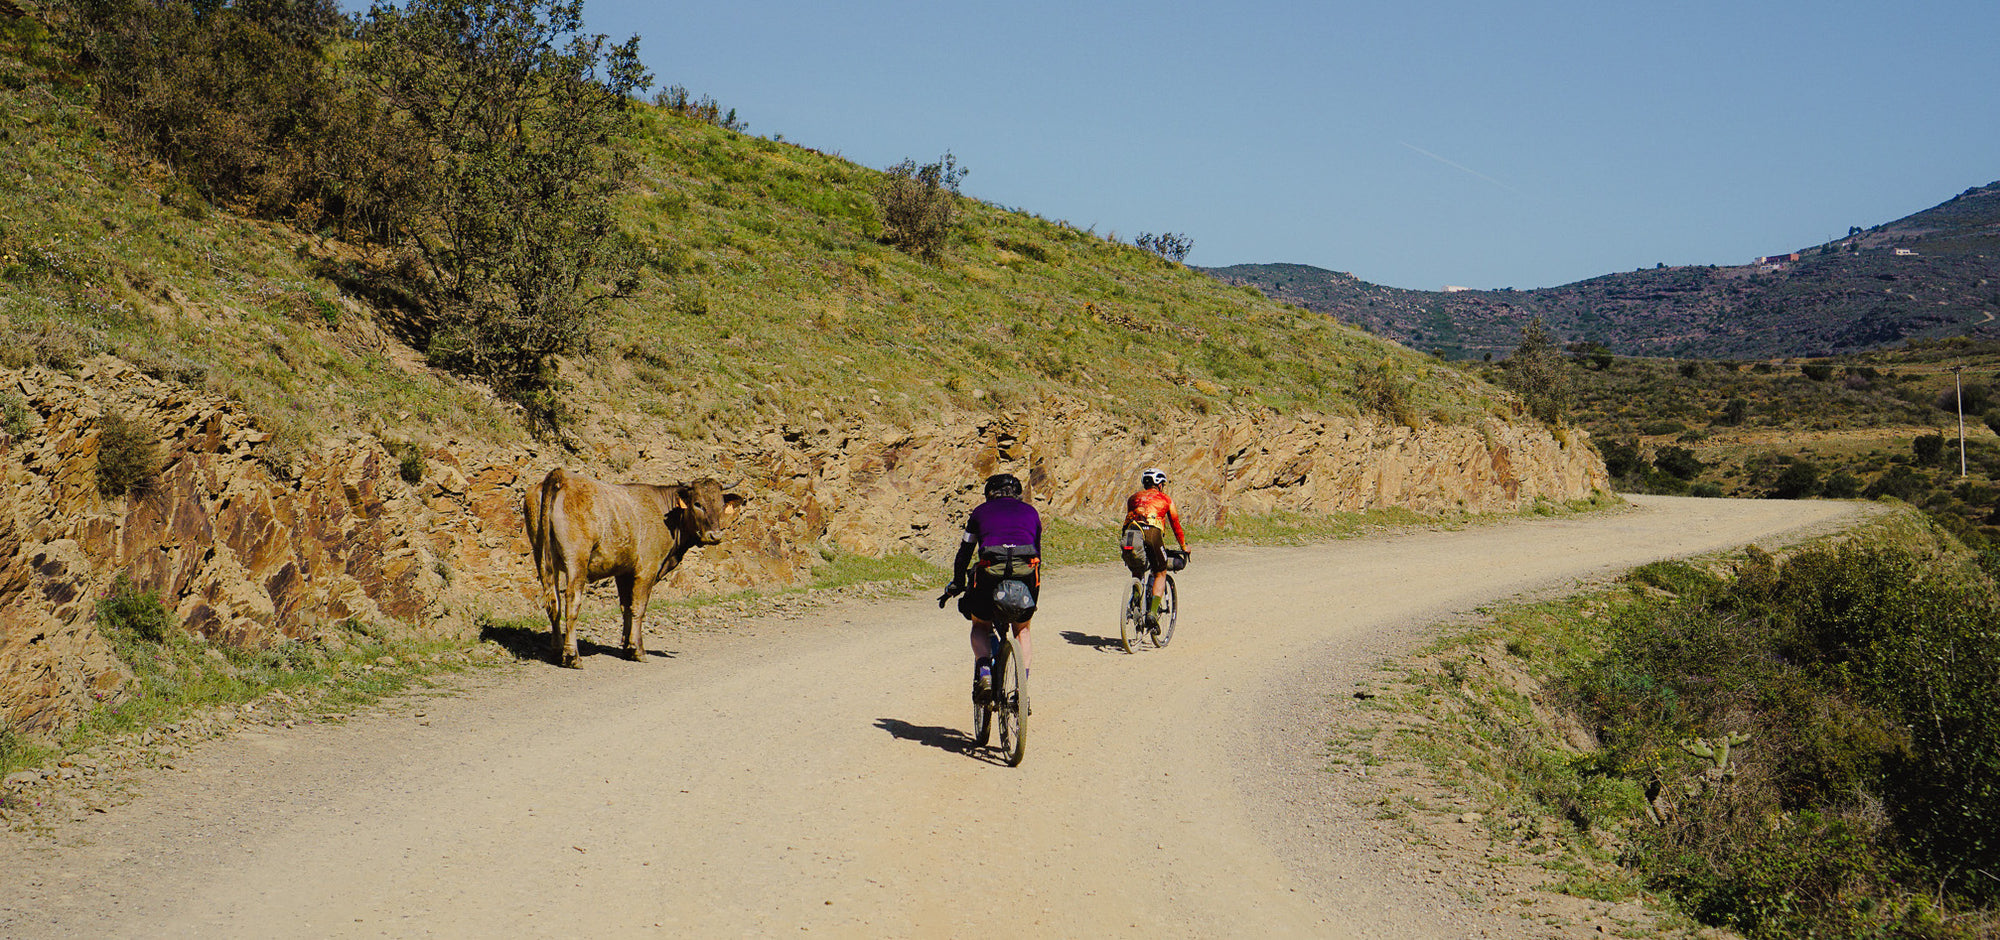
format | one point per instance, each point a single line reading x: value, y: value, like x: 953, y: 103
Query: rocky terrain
x: 248, y: 550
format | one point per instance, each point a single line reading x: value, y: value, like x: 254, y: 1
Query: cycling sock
x: 1153, y: 605
x: 985, y: 665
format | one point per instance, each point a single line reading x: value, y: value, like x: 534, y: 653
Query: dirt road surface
x: 809, y: 775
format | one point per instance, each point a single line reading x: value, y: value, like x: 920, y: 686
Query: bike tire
x: 1131, y: 620
x: 1170, y: 610
x: 982, y: 717
x: 1010, y: 682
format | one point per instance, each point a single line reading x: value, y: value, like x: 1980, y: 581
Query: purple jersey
x: 1004, y: 521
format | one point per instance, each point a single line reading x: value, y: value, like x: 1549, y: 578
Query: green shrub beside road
x: 1787, y: 748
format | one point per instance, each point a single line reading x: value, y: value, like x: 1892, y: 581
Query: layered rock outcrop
x: 246, y: 555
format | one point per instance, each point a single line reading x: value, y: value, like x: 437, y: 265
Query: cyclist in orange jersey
x: 1147, y: 513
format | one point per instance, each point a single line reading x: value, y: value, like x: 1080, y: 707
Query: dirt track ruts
x: 810, y: 774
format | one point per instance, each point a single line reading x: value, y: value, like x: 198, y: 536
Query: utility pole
x: 1959, y: 388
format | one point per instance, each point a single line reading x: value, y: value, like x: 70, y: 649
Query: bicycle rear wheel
x: 1010, y: 687
x: 1170, y: 608
x: 1132, y: 619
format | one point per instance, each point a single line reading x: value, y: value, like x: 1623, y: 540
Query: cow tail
x: 545, y: 526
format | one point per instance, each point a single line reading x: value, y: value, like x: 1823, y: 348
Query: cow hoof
x: 568, y: 662
x: 637, y: 656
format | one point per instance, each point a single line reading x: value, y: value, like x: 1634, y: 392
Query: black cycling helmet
x: 1003, y: 484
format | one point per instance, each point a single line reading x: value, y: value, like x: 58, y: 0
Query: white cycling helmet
x: 1153, y: 476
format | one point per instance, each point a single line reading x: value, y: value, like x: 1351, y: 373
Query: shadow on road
x: 1107, y: 644
x: 944, y: 739
x: 526, y: 643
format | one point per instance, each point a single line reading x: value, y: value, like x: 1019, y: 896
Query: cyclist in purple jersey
x: 1004, y: 519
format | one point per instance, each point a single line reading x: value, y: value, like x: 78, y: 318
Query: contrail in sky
x: 1462, y: 167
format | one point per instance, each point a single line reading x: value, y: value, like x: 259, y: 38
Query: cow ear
x: 731, y: 505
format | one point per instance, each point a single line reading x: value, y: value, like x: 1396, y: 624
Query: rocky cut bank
x: 248, y: 555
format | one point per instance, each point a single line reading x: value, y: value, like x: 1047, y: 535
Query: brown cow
x: 585, y: 530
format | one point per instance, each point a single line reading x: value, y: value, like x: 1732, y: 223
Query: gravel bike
x: 1005, y: 702
x: 1133, y: 630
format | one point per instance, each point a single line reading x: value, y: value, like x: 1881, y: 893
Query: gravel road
x: 809, y: 773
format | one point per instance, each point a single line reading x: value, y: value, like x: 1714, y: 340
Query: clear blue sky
x: 1414, y: 144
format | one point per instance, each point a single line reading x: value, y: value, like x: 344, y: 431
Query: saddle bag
x: 1012, y: 600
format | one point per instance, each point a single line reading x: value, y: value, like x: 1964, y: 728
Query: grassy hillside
x: 1930, y: 275
x: 766, y: 294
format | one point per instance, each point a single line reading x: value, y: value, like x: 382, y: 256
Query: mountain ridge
x: 1931, y: 274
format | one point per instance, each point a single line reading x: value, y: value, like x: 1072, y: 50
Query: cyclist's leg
x: 1021, y: 641
x: 1156, y: 558
x: 982, y: 639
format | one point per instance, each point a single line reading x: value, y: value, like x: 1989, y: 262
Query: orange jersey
x: 1154, y: 508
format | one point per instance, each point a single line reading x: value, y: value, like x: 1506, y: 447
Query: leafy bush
x: 1817, y: 371
x: 410, y: 462
x: 1841, y: 484
x: 15, y: 415
x: 1860, y: 685
x: 1929, y: 449
x: 1678, y: 461
x: 917, y: 202
x: 677, y: 100
x: 130, y: 611
x: 1735, y: 412
x: 1384, y: 390
x: 128, y: 455
x: 1169, y: 245
x: 1537, y: 372
x: 1800, y: 480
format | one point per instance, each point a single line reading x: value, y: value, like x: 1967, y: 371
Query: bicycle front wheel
x: 1132, y: 619
x: 1170, y: 608
x: 1010, y: 687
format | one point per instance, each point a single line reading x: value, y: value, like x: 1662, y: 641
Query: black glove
x: 950, y: 592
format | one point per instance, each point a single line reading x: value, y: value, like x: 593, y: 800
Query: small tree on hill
x: 1536, y: 371
x: 520, y: 112
x: 917, y: 202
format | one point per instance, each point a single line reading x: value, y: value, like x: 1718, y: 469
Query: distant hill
x: 1932, y: 274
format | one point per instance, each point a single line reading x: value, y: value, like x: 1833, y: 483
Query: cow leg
x: 566, y: 637
x: 635, y: 646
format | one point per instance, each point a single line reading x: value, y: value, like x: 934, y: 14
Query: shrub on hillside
x: 128, y: 455
x: 128, y: 610
x: 1974, y: 397
x: 917, y: 202
x: 1383, y: 390
x: 1799, y: 480
x: 1169, y: 245
x: 1538, y: 373
x: 1678, y: 461
x: 1816, y: 371
x: 1734, y: 412
x: 1841, y: 484
x: 677, y: 100
x: 1928, y: 449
